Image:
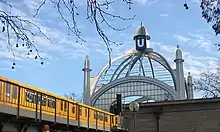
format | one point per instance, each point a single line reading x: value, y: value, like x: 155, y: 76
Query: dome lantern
x: 141, y: 37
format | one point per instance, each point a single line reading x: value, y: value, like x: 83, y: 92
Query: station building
x: 141, y: 74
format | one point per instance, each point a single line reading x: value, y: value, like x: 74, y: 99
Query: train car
x: 24, y: 97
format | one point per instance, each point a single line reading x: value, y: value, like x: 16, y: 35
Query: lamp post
x: 134, y: 107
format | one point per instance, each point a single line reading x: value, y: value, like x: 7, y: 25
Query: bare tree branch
x: 74, y: 97
x: 209, y: 83
x: 40, y: 7
x: 211, y: 13
x: 95, y: 10
x: 14, y: 25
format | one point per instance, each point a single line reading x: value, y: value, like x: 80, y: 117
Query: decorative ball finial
x: 178, y: 53
x: 189, y: 73
x: 178, y: 46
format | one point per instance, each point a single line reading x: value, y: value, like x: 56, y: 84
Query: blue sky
x: 167, y: 21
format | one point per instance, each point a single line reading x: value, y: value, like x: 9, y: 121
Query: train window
x: 101, y: 117
x: 39, y: 99
x: 80, y: 110
x: 61, y: 105
x: 112, y: 119
x: 43, y: 100
x: 51, y: 102
x: 106, y: 118
x: 95, y: 116
x: 14, y: 93
x: 86, y: 112
x: 7, y: 89
x: 73, y: 109
x: 28, y: 96
x: 1, y: 84
x: 65, y: 105
x: 116, y: 120
x: 34, y: 97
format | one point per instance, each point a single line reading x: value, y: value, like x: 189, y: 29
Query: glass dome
x: 133, y: 63
x: 134, y: 74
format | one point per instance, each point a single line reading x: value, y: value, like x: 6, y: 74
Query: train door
x: 107, y: 120
x: 14, y: 94
x: 63, y: 108
x: 1, y: 91
x: 2, y: 95
x: 43, y: 99
x: 7, y: 98
x: 92, y: 117
x: 101, y: 118
x: 112, y: 120
x: 10, y: 96
x: 83, y: 113
x: 73, y: 111
x: 30, y: 99
x: 51, y: 104
x: 80, y: 111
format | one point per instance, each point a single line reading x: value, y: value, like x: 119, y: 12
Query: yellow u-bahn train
x: 23, y: 97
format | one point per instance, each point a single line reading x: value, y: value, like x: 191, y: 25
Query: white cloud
x: 152, y: 2
x: 197, y: 39
x: 192, y: 63
x: 181, y: 38
x: 202, y: 40
x: 102, y: 52
x: 33, y: 4
x: 196, y: 1
x: 196, y: 65
x: 163, y: 14
x: 141, y: 1
x: 148, y: 2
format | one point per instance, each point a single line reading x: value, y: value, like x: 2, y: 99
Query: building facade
x: 196, y: 115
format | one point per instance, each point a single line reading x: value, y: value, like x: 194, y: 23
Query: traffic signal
x: 118, y: 103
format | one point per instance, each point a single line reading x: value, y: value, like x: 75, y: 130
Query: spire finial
x: 141, y: 23
x: 178, y: 46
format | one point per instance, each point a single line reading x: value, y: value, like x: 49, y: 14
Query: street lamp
x: 134, y: 107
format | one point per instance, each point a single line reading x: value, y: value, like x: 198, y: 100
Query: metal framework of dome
x: 140, y: 72
x: 133, y: 63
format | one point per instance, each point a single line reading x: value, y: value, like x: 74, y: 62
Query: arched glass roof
x: 130, y: 88
x: 134, y: 63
